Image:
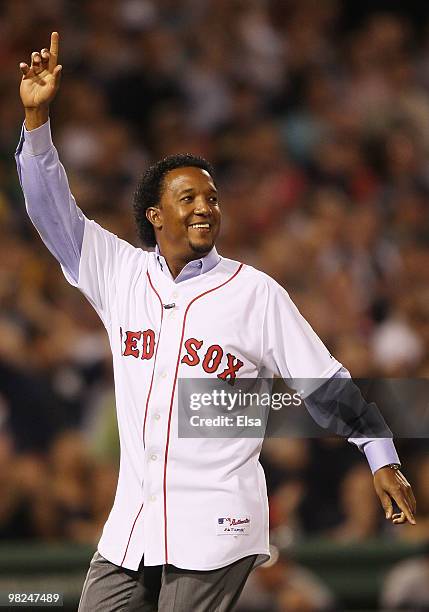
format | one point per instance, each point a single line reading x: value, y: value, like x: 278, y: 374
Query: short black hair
x: 149, y: 189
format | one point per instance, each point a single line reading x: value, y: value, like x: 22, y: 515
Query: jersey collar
x: 192, y: 268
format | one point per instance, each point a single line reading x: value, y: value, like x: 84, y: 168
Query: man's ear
x: 154, y: 215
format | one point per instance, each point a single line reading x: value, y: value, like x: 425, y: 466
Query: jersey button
x: 164, y: 375
x: 156, y: 417
x: 154, y: 457
x: 152, y: 498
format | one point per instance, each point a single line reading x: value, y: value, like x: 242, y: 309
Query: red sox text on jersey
x: 141, y: 345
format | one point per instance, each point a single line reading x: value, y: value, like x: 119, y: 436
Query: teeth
x: 205, y: 225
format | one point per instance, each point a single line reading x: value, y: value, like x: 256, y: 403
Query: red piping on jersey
x: 154, y: 360
x: 172, y: 398
x: 131, y: 533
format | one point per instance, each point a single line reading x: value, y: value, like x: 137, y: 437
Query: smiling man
x: 186, y: 221
x: 190, y: 516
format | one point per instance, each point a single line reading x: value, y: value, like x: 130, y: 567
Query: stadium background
x: 316, y: 116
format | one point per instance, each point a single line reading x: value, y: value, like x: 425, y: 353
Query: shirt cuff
x: 380, y: 452
x: 38, y: 141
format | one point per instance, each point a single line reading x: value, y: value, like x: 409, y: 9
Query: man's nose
x: 202, y: 207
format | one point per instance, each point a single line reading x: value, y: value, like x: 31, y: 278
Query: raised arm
x: 50, y: 204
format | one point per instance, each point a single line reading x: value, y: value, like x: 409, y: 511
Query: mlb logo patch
x: 233, y: 525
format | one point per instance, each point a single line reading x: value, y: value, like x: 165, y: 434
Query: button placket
x: 160, y: 399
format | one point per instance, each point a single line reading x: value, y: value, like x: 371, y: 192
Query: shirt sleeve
x: 291, y: 348
x: 91, y: 258
x: 50, y: 205
x: 379, y: 452
x: 107, y: 264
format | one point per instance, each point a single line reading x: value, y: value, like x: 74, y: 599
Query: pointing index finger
x: 53, y: 58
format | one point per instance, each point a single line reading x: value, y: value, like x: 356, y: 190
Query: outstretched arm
x: 292, y: 350
x: 50, y: 204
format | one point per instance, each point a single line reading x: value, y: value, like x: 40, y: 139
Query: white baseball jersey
x: 232, y: 321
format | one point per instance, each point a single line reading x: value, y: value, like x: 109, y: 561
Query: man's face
x: 188, y: 220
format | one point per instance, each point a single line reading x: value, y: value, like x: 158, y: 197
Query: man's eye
x: 187, y: 198
x: 213, y: 199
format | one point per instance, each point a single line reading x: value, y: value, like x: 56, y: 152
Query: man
x: 180, y: 312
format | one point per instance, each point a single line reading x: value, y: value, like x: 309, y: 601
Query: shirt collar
x: 192, y: 268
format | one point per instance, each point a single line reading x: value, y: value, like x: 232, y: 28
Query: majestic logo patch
x: 228, y: 525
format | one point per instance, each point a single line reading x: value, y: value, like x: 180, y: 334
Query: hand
x: 41, y: 80
x: 391, y: 485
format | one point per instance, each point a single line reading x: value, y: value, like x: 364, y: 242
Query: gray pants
x: 110, y: 588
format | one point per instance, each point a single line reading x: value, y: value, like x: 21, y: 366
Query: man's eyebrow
x: 187, y: 190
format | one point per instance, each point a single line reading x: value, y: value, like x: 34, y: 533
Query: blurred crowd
x: 318, y: 127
